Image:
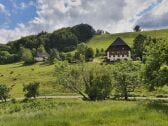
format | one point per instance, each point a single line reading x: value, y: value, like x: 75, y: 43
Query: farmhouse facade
x: 118, y: 50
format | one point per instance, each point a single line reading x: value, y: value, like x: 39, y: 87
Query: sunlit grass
x: 16, y: 75
x: 103, y: 41
x: 77, y: 112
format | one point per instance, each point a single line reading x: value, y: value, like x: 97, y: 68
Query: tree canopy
x: 155, y: 71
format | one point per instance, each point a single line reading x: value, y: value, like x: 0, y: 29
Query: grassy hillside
x: 77, y: 112
x: 16, y: 75
x: 103, y: 41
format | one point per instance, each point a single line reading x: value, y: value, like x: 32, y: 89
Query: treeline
x: 64, y: 40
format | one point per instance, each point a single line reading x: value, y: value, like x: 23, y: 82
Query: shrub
x: 99, y: 88
x: 31, y: 89
x: 89, y: 54
x: 13, y: 100
x: 4, y: 92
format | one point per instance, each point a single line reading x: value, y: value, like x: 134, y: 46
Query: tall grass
x: 76, y: 112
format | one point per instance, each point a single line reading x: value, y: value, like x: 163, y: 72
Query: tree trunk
x: 125, y: 92
x: 81, y: 93
x: 126, y: 96
x: 2, y: 98
x: 151, y: 88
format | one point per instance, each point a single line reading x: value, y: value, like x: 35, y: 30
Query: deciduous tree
x: 126, y: 76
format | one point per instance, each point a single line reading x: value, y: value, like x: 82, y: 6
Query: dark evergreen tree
x: 138, y: 47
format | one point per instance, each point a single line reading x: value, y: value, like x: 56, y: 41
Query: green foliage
x: 99, y: 87
x: 6, y: 57
x: 54, y: 56
x: 162, y: 77
x: 126, y: 76
x: 4, y: 92
x: 13, y: 100
x: 62, y: 56
x: 5, y: 48
x: 84, y: 53
x: 31, y: 89
x: 138, y: 47
x: 81, y: 48
x: 69, y: 57
x: 70, y: 77
x: 97, y: 52
x: 63, y: 40
x: 83, y: 32
x: 137, y: 28
x: 156, y: 57
x: 89, y: 54
x: 27, y: 56
x: 90, y: 82
x: 41, y: 49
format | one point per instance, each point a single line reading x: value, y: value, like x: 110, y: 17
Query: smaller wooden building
x: 118, y: 50
x: 41, y: 56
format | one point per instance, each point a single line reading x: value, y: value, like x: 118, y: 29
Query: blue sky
x: 17, y: 12
x: 24, y: 17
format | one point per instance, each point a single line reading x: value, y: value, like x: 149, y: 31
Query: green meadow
x: 103, y: 41
x: 75, y: 112
x: 16, y: 75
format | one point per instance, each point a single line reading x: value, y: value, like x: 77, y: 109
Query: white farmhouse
x: 118, y: 50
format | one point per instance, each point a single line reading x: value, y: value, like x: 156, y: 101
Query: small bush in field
x: 4, y: 92
x: 31, y: 89
x: 11, y: 72
x: 13, y: 100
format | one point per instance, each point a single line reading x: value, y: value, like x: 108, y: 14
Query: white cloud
x: 2, y: 8
x: 23, y: 5
x: 111, y: 15
x: 157, y: 18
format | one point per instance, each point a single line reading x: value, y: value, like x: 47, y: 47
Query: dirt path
x: 79, y: 97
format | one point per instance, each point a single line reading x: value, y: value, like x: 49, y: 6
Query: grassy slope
x: 44, y: 73
x: 24, y: 74
x: 103, y: 41
x: 77, y: 112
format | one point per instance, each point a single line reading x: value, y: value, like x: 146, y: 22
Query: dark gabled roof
x: 118, y: 42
